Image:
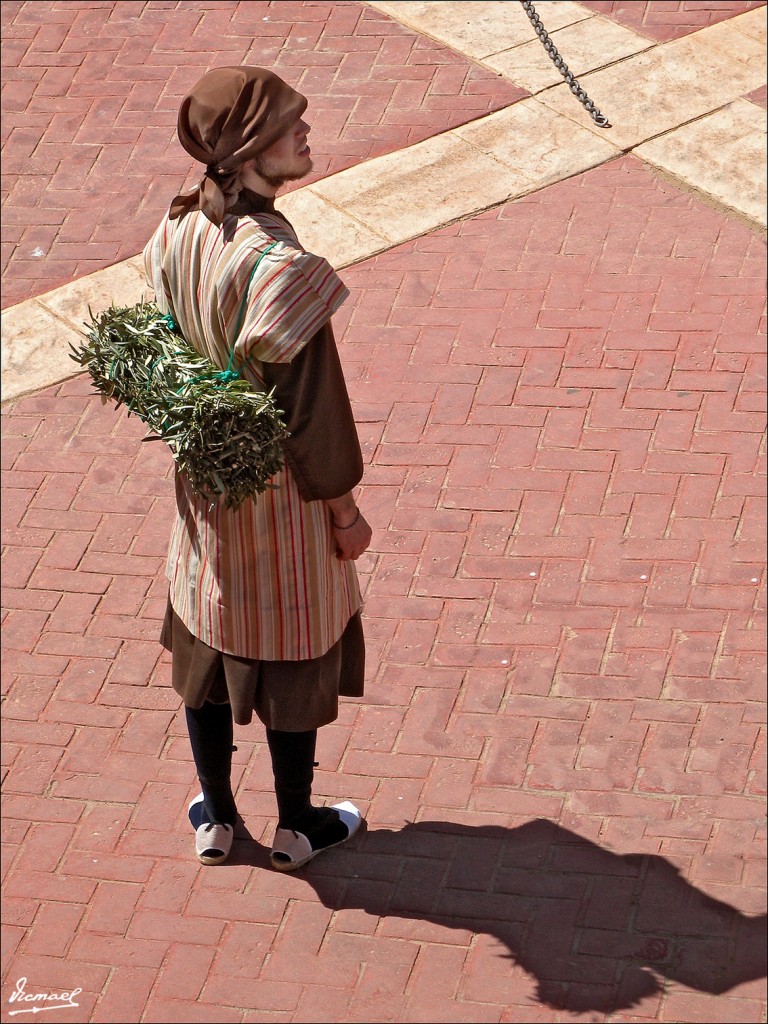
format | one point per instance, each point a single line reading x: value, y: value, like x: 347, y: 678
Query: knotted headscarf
x: 231, y: 115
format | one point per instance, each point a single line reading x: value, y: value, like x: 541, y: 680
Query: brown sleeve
x: 323, y: 451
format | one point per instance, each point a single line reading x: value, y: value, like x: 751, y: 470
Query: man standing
x: 264, y: 603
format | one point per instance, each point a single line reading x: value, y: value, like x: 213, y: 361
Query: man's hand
x: 352, y: 532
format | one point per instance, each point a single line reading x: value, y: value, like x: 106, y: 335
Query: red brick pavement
x: 561, y: 749
x: 664, y: 19
x: 90, y: 157
x: 759, y: 96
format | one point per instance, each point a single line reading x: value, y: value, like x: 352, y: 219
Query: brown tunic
x: 293, y: 696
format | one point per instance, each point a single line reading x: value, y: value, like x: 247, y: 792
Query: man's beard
x: 277, y: 179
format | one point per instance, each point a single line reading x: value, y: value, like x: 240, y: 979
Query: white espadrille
x: 291, y: 849
x: 213, y: 843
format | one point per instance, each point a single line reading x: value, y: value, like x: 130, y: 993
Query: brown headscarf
x: 231, y: 115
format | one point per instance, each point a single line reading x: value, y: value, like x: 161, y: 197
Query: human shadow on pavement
x: 597, y: 930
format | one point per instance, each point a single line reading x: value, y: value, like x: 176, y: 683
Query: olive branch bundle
x: 225, y: 437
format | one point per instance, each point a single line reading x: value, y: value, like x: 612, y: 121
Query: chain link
x: 600, y: 119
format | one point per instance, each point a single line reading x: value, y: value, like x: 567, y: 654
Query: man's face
x: 288, y: 159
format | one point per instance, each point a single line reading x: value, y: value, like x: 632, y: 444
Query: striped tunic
x: 262, y: 582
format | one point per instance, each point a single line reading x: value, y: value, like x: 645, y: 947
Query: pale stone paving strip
x: 669, y: 104
x: 37, y: 333
x: 488, y: 162
x: 480, y: 28
x: 594, y: 42
x: 734, y: 138
x: 645, y: 94
x: 675, y: 83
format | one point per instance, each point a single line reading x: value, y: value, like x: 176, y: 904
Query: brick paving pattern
x: 561, y: 749
x: 90, y: 157
x: 664, y: 19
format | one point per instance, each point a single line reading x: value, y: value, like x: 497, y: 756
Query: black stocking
x: 293, y: 757
x: 210, y: 735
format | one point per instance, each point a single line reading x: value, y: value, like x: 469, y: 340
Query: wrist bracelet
x: 349, y: 526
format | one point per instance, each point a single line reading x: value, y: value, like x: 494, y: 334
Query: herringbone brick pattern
x: 90, y: 156
x: 666, y: 19
x: 561, y: 749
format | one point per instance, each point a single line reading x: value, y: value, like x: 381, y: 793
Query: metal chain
x: 600, y: 119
